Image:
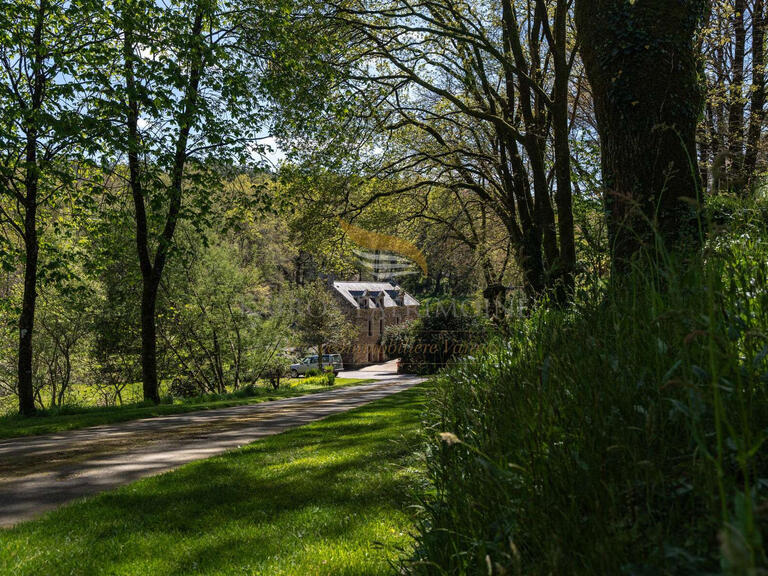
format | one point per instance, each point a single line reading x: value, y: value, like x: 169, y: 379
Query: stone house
x: 372, y: 306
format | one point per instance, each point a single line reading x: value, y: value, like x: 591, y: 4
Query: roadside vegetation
x: 329, y: 498
x: 624, y: 435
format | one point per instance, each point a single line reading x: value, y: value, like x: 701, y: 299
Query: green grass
x: 73, y: 418
x: 625, y: 435
x: 328, y: 498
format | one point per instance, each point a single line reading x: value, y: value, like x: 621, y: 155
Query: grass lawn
x: 328, y: 498
x: 72, y: 418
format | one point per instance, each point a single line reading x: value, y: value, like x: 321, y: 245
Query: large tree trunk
x: 29, y: 299
x: 31, y: 244
x: 531, y: 262
x: 642, y: 63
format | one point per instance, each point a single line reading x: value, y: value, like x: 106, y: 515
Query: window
x: 370, y: 327
x: 381, y: 325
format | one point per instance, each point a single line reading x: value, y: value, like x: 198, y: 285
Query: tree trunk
x: 530, y: 258
x: 29, y: 299
x: 567, y: 264
x: 149, y: 379
x: 67, y: 375
x: 642, y: 63
x: 757, y: 103
x: 736, y: 97
x: 218, y: 367
x: 151, y: 271
x: 31, y: 244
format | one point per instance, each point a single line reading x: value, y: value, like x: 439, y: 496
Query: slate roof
x: 367, y: 294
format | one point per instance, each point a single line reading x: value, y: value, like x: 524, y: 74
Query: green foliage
x: 275, y: 368
x: 445, y: 330
x: 319, y: 320
x: 624, y: 436
x: 316, y: 378
x: 209, y: 331
x: 183, y: 388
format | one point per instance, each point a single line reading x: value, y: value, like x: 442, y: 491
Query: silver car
x: 330, y: 362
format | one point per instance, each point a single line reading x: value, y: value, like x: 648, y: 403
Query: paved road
x: 42, y: 472
x: 383, y: 371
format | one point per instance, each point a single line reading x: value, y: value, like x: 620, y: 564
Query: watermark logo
x: 384, y: 255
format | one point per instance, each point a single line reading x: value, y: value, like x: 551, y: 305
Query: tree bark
x: 562, y: 149
x: 641, y: 60
x: 29, y: 299
x: 736, y: 97
x: 150, y: 383
x: 757, y: 103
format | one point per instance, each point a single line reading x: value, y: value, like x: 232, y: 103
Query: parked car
x: 330, y: 362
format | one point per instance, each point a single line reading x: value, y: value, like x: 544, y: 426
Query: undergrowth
x: 623, y: 436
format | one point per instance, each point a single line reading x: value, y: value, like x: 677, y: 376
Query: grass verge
x: 328, y: 498
x: 73, y: 418
x: 624, y: 435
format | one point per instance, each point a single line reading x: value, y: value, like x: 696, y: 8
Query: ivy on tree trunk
x: 642, y: 62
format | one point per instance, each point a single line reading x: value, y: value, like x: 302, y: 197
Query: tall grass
x: 624, y: 436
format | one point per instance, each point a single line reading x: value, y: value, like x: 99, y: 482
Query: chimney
x: 399, y: 296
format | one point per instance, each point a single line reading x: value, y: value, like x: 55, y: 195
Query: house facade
x: 372, y: 307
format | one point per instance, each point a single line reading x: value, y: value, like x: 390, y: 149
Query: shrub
x: 319, y: 379
x: 621, y: 437
x: 276, y: 368
x: 443, y: 331
x: 183, y: 388
x: 246, y: 391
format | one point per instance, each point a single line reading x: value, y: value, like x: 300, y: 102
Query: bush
x: 319, y: 379
x: 183, y: 388
x: 443, y: 332
x: 246, y: 391
x: 276, y: 369
x: 622, y: 437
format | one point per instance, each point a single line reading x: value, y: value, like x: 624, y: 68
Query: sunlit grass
x: 328, y: 498
x: 75, y: 417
